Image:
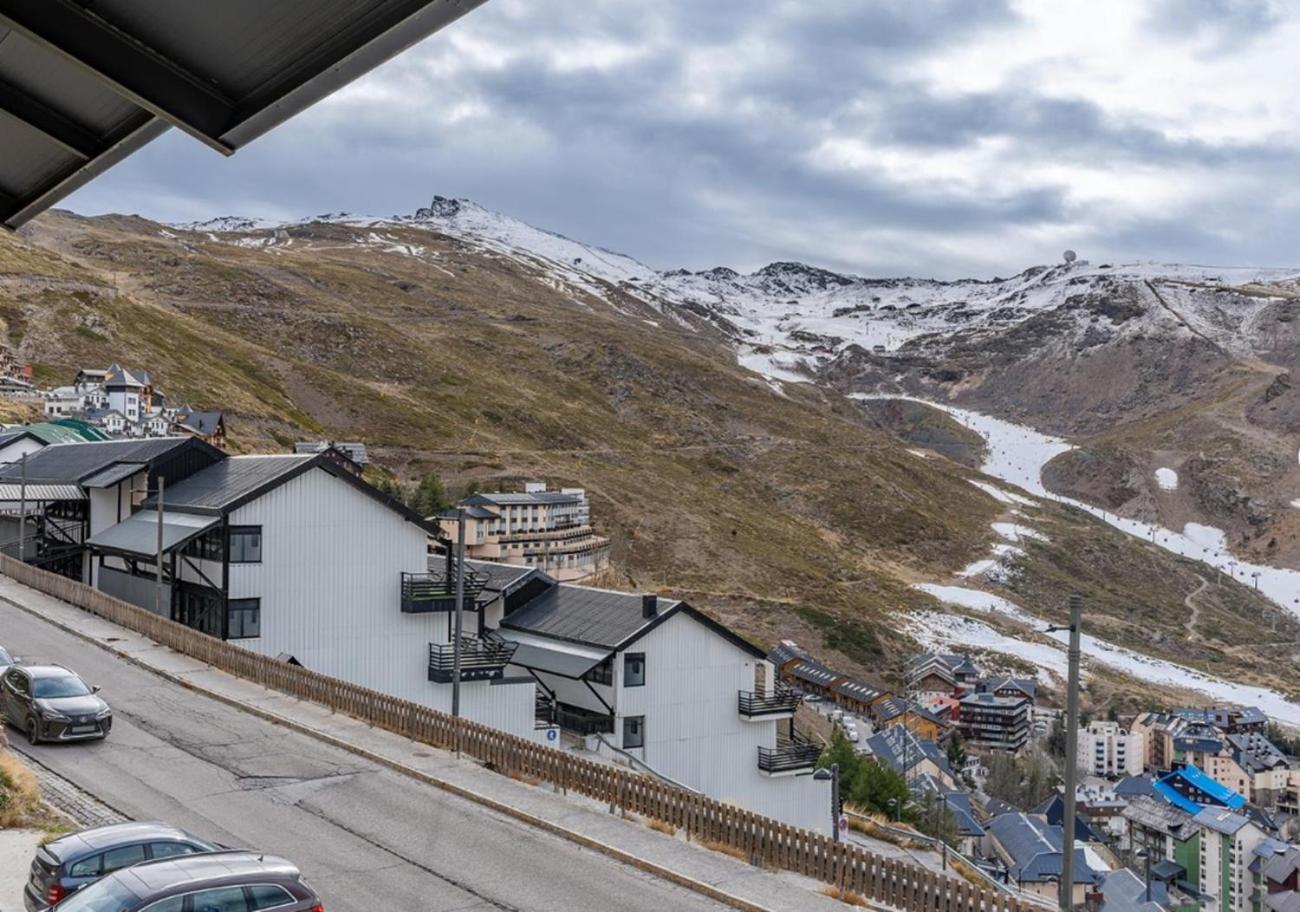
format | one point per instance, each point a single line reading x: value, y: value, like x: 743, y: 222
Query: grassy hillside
x: 787, y: 513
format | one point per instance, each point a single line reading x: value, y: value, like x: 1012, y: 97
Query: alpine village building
x: 297, y: 557
x: 549, y: 530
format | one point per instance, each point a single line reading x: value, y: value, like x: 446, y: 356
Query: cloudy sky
x: 927, y: 137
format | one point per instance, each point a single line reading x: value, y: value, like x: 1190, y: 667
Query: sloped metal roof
x: 228, y: 482
x: 70, y: 463
x: 84, y: 83
x: 138, y: 533
x: 595, y: 617
x: 40, y: 493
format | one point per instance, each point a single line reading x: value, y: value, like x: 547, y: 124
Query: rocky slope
x: 464, y: 342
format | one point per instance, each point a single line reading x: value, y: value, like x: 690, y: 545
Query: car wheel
x: 33, y: 731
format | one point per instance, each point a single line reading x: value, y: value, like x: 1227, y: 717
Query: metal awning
x: 568, y: 660
x: 37, y: 493
x: 106, y: 478
x: 84, y: 83
x: 138, y: 534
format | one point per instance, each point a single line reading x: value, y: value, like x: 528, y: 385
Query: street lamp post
x: 1066, y: 896
x: 1145, y: 855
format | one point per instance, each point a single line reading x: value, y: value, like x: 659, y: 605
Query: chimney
x: 649, y: 605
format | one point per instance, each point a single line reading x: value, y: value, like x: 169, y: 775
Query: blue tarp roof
x: 1194, y: 777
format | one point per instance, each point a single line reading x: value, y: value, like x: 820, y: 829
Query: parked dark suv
x: 69, y: 863
x: 50, y: 703
x: 232, y: 881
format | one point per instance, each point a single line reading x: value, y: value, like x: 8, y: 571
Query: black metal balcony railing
x: 434, y: 591
x: 480, y: 660
x: 754, y: 705
x: 788, y: 758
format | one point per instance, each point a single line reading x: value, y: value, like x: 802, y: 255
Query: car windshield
x: 106, y: 896
x: 53, y: 688
x: 4, y: 658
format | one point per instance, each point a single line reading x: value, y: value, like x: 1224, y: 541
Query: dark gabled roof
x: 227, y: 485
x: 471, y: 512
x: 502, y: 578
x: 604, y: 618
x: 1135, y: 786
x: 1053, y: 810
x: 1124, y: 891
x: 88, y: 84
x: 71, y: 463
x: 1035, y: 849
x: 857, y: 690
x: 811, y: 671
x: 785, y: 651
x: 205, y: 424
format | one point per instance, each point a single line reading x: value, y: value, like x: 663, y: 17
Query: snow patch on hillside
x: 1167, y: 479
x: 1017, y: 454
x: 952, y: 632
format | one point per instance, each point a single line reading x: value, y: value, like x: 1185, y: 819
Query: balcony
x: 796, y: 757
x: 480, y: 660
x: 764, y: 706
x: 423, y: 593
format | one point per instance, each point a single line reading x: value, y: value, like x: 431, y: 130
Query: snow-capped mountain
x: 790, y: 320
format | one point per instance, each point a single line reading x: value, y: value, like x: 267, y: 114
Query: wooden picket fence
x: 764, y: 841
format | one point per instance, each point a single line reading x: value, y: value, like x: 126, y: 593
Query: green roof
x: 65, y: 430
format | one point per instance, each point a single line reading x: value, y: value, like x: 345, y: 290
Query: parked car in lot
x: 230, y: 881
x: 71, y: 862
x: 50, y: 703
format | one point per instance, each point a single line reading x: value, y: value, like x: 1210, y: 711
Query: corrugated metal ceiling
x: 84, y: 83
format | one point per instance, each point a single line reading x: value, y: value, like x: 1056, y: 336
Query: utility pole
x: 1071, y: 752
x: 158, y: 584
x: 835, y: 801
x: 22, y: 509
x: 460, y: 606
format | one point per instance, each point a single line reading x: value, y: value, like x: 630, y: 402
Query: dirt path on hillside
x: 1190, y: 602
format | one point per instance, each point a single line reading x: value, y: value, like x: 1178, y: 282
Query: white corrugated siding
x: 330, y: 585
x: 694, y: 733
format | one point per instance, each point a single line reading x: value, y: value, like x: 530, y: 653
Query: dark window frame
x: 602, y: 673
x: 243, y: 606
x: 630, y: 658
x: 242, y: 533
x: 638, y: 722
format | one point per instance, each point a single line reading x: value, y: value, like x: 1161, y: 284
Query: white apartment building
x: 294, y: 556
x: 1107, y: 749
x: 1227, y: 848
x: 659, y: 684
x: 549, y: 530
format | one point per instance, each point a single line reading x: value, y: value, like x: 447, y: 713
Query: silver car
x: 50, y: 703
x: 232, y: 881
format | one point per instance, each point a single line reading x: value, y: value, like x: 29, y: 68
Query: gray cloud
x: 692, y: 134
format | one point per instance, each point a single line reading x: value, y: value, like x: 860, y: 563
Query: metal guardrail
x: 900, y: 885
x: 754, y: 704
x: 480, y: 660
x: 788, y: 758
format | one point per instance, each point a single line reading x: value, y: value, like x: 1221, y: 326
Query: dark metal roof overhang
x: 84, y: 83
x: 565, y: 660
x: 137, y: 535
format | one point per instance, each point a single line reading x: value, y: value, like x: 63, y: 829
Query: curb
x: 648, y: 867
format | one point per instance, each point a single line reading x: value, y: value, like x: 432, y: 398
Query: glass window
x: 245, y: 619
x: 221, y: 899
x: 633, y: 731
x: 634, y: 669
x: 207, y: 546
x: 104, y: 896
x: 602, y: 673
x: 171, y: 849
x: 87, y: 867
x: 53, y: 688
x: 170, y: 904
x: 245, y: 544
x: 268, y: 896
x: 122, y: 857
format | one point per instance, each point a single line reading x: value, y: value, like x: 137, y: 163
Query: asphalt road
x: 365, y: 837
